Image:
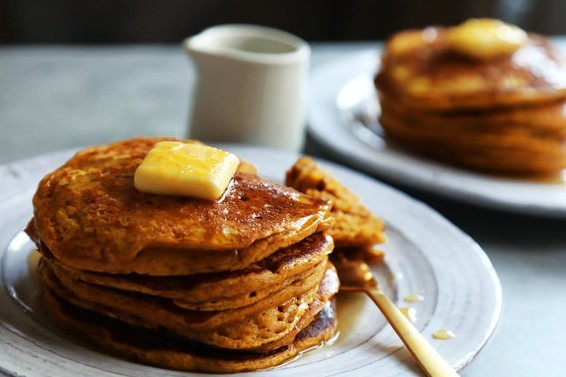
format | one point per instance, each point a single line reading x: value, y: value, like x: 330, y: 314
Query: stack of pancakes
x: 505, y: 115
x: 237, y: 284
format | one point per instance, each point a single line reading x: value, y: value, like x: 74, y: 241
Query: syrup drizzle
x: 443, y: 334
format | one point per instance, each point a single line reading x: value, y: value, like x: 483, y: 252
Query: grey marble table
x: 53, y: 98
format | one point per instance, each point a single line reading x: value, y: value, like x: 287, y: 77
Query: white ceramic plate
x: 342, y: 110
x: 425, y: 255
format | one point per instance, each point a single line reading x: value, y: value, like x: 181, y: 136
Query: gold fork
x: 355, y: 275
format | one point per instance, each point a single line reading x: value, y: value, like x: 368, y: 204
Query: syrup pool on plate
x: 413, y: 297
x: 443, y: 334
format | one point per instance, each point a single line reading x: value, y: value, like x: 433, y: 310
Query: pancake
x: 90, y: 217
x: 354, y: 224
x: 420, y: 70
x: 545, y: 119
x: 504, y: 143
x: 262, y: 326
x: 217, y: 291
x: 162, y: 349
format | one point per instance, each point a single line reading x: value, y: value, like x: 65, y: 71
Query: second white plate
x: 343, y: 104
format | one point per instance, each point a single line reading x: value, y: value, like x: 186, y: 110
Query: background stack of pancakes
x: 236, y: 284
x: 506, y: 114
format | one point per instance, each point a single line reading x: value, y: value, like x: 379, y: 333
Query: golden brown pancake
x: 90, y: 217
x: 165, y: 350
x: 420, y: 70
x: 219, y: 291
x: 354, y: 224
x: 545, y: 119
x: 262, y: 326
x: 510, y: 149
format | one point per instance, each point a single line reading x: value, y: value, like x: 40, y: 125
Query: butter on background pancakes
x: 502, y: 114
x: 236, y: 284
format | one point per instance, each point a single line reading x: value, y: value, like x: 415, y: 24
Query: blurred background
x: 169, y: 21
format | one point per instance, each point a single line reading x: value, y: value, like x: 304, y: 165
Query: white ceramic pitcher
x: 251, y: 86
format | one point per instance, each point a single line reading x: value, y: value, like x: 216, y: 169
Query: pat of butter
x: 485, y: 38
x: 186, y: 169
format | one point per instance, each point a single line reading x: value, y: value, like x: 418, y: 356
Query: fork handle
x: 430, y: 361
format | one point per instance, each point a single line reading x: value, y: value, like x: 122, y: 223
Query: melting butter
x: 186, y: 169
x: 485, y: 38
